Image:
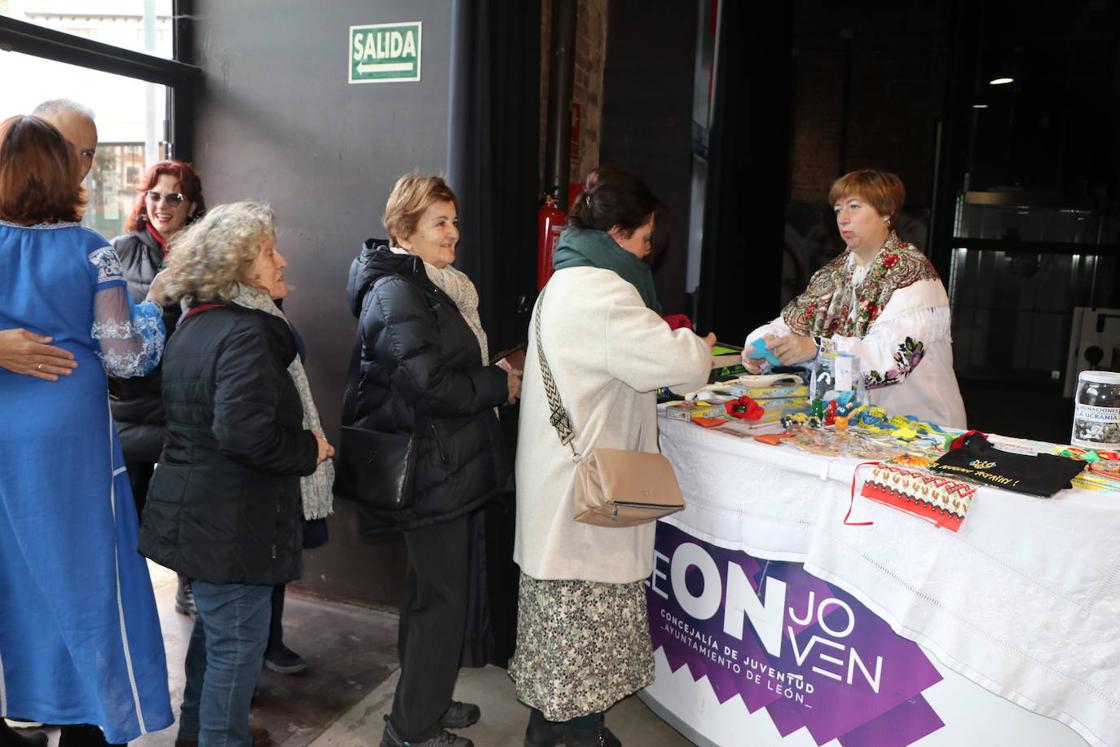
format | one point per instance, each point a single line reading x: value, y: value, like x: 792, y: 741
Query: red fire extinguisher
x: 550, y: 222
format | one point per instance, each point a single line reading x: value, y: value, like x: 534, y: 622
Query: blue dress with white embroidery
x: 80, y: 639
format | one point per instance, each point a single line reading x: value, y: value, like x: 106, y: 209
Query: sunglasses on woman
x: 173, y: 199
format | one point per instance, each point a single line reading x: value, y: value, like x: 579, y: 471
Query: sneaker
x: 283, y: 660
x: 543, y: 733
x: 444, y: 739
x: 460, y: 715
x: 184, y: 598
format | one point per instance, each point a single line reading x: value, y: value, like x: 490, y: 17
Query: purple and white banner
x: 785, y: 641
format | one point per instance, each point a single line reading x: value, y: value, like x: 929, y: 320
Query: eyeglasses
x: 173, y: 199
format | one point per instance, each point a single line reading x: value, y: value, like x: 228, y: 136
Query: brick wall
x: 898, y: 63
x: 587, y: 83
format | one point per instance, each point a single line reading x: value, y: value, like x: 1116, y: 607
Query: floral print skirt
x: 581, y: 646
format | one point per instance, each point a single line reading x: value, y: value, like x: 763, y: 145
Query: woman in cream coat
x: 583, y: 637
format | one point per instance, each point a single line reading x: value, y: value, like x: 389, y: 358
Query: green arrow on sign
x: 385, y: 52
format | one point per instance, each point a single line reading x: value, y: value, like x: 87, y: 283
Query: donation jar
x: 1096, y: 414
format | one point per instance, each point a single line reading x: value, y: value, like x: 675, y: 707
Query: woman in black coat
x: 168, y: 198
x: 224, y: 507
x: 424, y: 372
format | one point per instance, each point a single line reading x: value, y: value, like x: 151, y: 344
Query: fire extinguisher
x: 550, y: 222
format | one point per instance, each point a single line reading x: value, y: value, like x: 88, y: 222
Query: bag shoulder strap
x: 559, y: 416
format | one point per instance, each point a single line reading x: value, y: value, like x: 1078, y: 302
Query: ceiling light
x: 1000, y: 81
x: 979, y: 106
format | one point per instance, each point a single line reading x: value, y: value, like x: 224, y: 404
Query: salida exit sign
x: 385, y: 52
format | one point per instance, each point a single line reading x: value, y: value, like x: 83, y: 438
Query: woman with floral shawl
x: 881, y: 300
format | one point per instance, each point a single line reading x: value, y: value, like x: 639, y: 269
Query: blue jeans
x: 223, y: 660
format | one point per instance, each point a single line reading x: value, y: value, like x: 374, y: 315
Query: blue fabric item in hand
x: 763, y: 352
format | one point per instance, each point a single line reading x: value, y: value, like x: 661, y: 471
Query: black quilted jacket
x: 421, y: 372
x: 224, y: 504
x: 136, y: 403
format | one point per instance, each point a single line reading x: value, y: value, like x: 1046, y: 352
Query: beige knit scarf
x: 459, y: 287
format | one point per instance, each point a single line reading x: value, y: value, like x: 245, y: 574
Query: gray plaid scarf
x: 318, y: 500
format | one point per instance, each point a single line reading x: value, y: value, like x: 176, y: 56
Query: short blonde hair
x: 411, y: 196
x: 882, y: 189
x: 211, y: 256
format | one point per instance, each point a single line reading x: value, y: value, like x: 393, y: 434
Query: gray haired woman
x: 243, y: 441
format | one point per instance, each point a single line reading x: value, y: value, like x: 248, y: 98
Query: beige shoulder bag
x: 614, y: 487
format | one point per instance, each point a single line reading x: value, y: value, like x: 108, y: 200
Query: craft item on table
x: 773, y: 439
x: 841, y: 423
x: 709, y: 422
x: 911, y: 460
x: 935, y: 498
x: 862, y: 447
x: 761, y: 351
x: 830, y: 413
x: 1040, y: 475
x: 770, y: 392
x: 665, y: 394
x: 712, y: 394
x: 690, y: 410
x: 744, y: 408
x: 759, y: 381
x: 746, y: 428
x: 815, y: 441
x: 846, y: 403
x: 1103, y: 470
x: 816, y: 408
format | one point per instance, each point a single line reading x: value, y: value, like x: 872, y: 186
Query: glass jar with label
x: 1096, y: 413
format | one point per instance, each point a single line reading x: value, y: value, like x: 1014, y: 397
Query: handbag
x: 614, y: 487
x: 372, y: 468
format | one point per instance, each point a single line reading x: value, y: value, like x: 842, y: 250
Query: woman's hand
x: 792, y: 349
x: 26, y: 353
x: 513, y: 385
x: 753, y: 365
x: 710, y: 340
x: 326, y: 451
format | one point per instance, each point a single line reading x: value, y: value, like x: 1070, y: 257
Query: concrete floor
x: 340, y: 700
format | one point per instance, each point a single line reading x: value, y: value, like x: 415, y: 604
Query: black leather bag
x: 371, y: 468
x: 375, y: 469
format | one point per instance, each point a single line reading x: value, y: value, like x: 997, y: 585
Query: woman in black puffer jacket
x: 424, y: 371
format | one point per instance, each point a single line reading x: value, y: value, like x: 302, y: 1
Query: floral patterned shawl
x: 825, y: 308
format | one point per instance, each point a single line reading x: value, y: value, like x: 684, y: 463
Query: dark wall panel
x: 647, y: 117
x: 278, y: 121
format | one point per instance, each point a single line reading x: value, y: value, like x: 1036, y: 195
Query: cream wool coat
x: 608, y: 354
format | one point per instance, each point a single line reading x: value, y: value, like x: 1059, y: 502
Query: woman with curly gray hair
x: 243, y: 442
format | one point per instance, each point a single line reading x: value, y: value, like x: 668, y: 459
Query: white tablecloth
x: 1024, y: 600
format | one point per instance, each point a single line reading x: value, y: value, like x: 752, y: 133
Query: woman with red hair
x: 168, y: 197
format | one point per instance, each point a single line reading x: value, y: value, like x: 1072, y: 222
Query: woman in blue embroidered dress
x: 80, y: 642
x: 881, y: 300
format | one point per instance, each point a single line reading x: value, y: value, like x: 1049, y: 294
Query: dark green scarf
x: 589, y: 248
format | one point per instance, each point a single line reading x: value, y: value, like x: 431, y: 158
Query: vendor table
x: 775, y: 623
